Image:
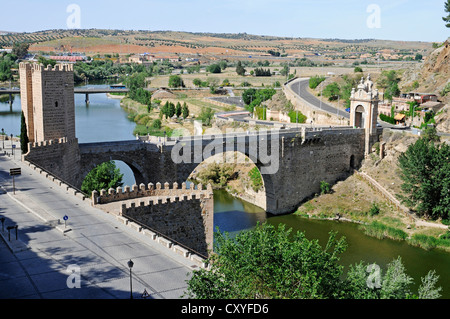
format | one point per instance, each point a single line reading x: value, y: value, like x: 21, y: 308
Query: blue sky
x: 411, y: 20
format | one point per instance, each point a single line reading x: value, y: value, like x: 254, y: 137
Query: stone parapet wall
x: 186, y: 220
x: 141, y: 191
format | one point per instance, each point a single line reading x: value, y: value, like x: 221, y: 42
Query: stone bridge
x: 292, y: 162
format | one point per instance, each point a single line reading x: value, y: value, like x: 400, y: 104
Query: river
x: 104, y: 120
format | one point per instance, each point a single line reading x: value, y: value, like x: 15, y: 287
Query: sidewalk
x: 91, y: 248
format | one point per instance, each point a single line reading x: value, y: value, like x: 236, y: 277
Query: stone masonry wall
x: 186, y: 220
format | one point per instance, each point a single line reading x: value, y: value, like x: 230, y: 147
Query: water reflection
x: 233, y: 215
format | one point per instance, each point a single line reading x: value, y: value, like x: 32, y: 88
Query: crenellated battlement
x: 163, y: 193
x: 59, y: 141
x: 185, y: 215
x: 64, y: 67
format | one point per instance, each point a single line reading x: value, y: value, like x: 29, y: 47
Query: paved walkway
x: 46, y: 259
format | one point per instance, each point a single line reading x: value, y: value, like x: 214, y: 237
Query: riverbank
x: 354, y: 201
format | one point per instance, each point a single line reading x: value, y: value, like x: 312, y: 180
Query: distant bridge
x: 85, y: 91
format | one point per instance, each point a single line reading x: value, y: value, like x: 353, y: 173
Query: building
x: 47, y: 96
x: 67, y: 58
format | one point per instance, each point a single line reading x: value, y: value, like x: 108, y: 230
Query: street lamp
x: 3, y: 135
x: 130, y: 265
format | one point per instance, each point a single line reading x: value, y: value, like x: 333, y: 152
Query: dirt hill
x: 433, y: 75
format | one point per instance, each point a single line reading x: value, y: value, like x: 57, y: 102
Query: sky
x: 408, y: 20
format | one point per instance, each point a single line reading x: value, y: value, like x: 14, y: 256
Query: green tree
x: 214, y: 68
x: 175, y: 81
x: 206, y: 116
x: 103, y: 176
x: 315, y: 81
x: 165, y: 109
x: 240, y: 69
x: 332, y: 91
x: 23, y: 135
x: 171, y: 111
x: 271, y: 262
x: 425, y: 172
x: 178, y: 109
x: 447, y: 10
x: 45, y: 61
x: 20, y: 49
x: 197, y: 82
x: 393, y: 284
x: 185, y: 110
x: 358, y: 69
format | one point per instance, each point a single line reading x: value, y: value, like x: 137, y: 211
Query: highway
x: 300, y: 87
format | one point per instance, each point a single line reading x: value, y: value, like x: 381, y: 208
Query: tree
x: 103, y: 176
x: 393, y: 284
x: 45, y: 61
x: 315, y: 81
x: 197, y: 82
x: 175, y: 81
x: 240, y: 69
x: 178, y: 110
x: 171, y: 111
x: 165, y: 109
x: 358, y: 69
x: 206, y: 116
x: 20, y: 49
x: 418, y: 57
x: 214, y: 68
x: 23, y: 135
x: 185, y: 110
x: 270, y: 262
x: 447, y: 18
x: 389, y: 82
x: 332, y: 91
x: 425, y: 172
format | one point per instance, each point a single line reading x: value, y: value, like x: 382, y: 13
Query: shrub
x: 315, y: 81
x: 324, y: 188
x: 374, y: 210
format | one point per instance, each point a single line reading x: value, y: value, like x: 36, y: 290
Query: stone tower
x: 48, y: 101
x: 47, y: 95
x: 364, y: 110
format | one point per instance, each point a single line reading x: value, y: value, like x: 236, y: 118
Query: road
x: 97, y: 247
x: 300, y: 87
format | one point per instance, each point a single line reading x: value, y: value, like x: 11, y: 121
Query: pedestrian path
x: 51, y: 257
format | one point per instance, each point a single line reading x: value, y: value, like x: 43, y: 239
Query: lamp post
x: 130, y: 265
x: 3, y: 135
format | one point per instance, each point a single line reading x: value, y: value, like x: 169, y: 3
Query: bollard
x: 9, y: 231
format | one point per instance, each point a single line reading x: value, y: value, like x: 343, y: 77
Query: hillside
x: 433, y: 75
x: 223, y: 44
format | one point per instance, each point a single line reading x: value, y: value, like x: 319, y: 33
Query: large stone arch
x: 90, y: 162
x: 185, y: 170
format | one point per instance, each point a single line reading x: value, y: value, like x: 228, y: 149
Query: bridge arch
x: 137, y: 171
x: 246, y: 164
